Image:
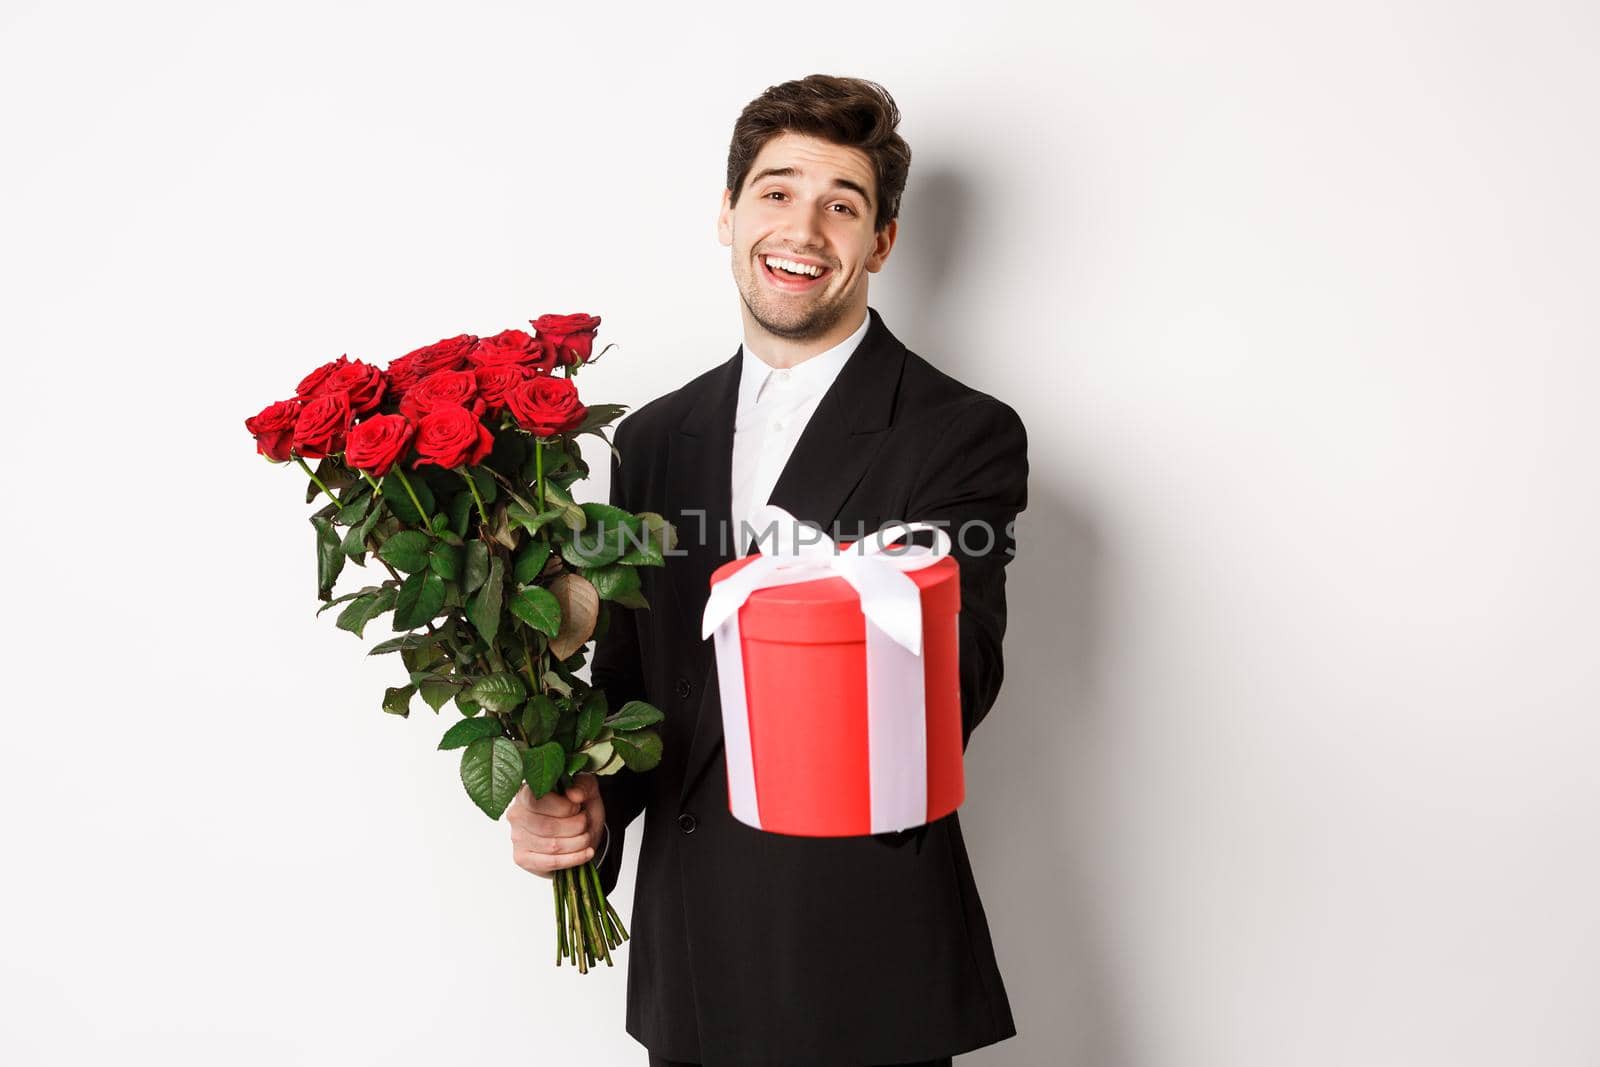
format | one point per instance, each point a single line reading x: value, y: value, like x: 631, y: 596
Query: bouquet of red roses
x: 453, y: 467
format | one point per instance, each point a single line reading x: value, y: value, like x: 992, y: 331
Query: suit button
x: 683, y: 687
x: 686, y: 822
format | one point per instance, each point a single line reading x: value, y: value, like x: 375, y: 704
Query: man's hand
x: 556, y: 830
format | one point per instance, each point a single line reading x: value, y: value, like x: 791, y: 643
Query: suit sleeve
x: 976, y: 483
x: 618, y: 669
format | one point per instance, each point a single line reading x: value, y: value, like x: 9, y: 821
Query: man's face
x: 809, y: 201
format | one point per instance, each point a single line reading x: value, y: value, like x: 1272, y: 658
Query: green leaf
x: 330, y: 557
x: 400, y: 501
x: 397, y: 700
x: 353, y: 505
x: 576, y: 762
x: 467, y: 731
x: 640, y: 751
x: 461, y: 506
x: 491, y: 770
x: 466, y: 705
x: 539, y: 718
x: 498, y: 692
x: 599, y: 754
x: 591, y: 715
x: 529, y: 520
x: 530, y: 562
x: 483, y: 609
x: 437, y: 694
x: 599, y: 415
x: 617, y: 581
x: 355, y: 539
x: 364, y: 591
x: 554, y: 681
x: 477, y: 566
x: 396, y: 644
x: 635, y: 715
x: 538, y: 607
x: 406, y: 551
x: 650, y: 550
x: 364, y: 609
x: 445, y: 560
x: 542, y: 766
x: 421, y: 596
x: 488, y: 488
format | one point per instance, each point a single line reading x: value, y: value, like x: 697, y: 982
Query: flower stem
x: 561, y: 929
x: 412, y: 493
x: 538, y: 469
x: 472, y: 483
x: 377, y: 490
x: 313, y: 476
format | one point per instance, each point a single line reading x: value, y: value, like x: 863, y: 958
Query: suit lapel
x: 829, y: 459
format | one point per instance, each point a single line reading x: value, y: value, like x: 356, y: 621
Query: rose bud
x: 273, y: 429
x: 322, y: 425
x: 571, y: 335
x: 316, y: 383
x: 364, y: 382
x: 517, y: 347
x: 377, y: 442
x: 444, y: 388
x: 545, y: 406
x: 450, y: 437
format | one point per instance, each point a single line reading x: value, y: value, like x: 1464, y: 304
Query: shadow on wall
x: 1029, y: 821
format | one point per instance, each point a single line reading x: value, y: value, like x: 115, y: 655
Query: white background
x: 1294, y: 763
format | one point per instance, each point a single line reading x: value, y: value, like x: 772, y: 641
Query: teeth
x: 794, y: 268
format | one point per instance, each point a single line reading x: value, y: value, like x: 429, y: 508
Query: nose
x: 803, y: 229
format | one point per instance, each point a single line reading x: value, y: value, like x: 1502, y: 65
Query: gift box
x: 839, y: 674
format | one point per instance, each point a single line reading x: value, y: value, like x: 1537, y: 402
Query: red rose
x: 322, y: 425
x: 515, y: 346
x: 274, y: 429
x: 449, y: 354
x: 498, y: 379
x: 315, y: 383
x: 364, y: 382
x: 377, y: 442
x: 571, y: 335
x: 452, y: 436
x: 445, y: 388
x: 545, y: 405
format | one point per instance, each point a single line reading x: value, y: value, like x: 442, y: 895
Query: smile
x: 791, y: 275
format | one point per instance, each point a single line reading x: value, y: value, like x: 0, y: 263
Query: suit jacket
x: 751, y: 948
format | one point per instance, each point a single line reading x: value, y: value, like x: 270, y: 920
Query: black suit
x: 752, y: 948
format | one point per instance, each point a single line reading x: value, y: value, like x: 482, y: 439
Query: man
x: 751, y: 948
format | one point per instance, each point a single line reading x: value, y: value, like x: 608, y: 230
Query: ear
x: 880, y: 251
x: 725, y: 221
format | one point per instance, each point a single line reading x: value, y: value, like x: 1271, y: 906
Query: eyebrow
x: 789, y: 172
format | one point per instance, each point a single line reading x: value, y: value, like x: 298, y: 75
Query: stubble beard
x: 786, y: 320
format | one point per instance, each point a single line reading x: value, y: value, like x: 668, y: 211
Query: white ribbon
x: 897, y: 735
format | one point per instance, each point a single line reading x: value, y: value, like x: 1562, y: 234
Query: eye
x: 847, y: 207
x: 774, y: 192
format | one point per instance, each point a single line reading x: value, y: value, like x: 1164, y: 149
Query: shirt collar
x: 812, y: 375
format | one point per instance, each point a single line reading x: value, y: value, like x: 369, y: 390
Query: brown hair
x: 848, y: 111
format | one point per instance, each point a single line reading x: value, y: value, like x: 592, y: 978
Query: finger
x: 546, y: 863
x: 535, y: 859
x: 549, y: 825
x: 555, y: 804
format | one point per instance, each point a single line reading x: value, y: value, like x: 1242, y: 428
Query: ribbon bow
x: 892, y: 605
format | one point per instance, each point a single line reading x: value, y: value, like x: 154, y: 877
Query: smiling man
x: 752, y: 948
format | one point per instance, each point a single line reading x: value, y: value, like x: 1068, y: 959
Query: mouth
x: 785, y: 274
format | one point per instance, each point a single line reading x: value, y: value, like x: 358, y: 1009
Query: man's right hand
x: 558, y: 829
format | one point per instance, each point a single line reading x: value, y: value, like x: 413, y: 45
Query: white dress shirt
x: 773, y: 408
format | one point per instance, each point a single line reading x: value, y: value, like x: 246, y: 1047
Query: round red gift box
x: 805, y: 674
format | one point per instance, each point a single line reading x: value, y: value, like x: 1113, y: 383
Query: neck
x: 776, y: 351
